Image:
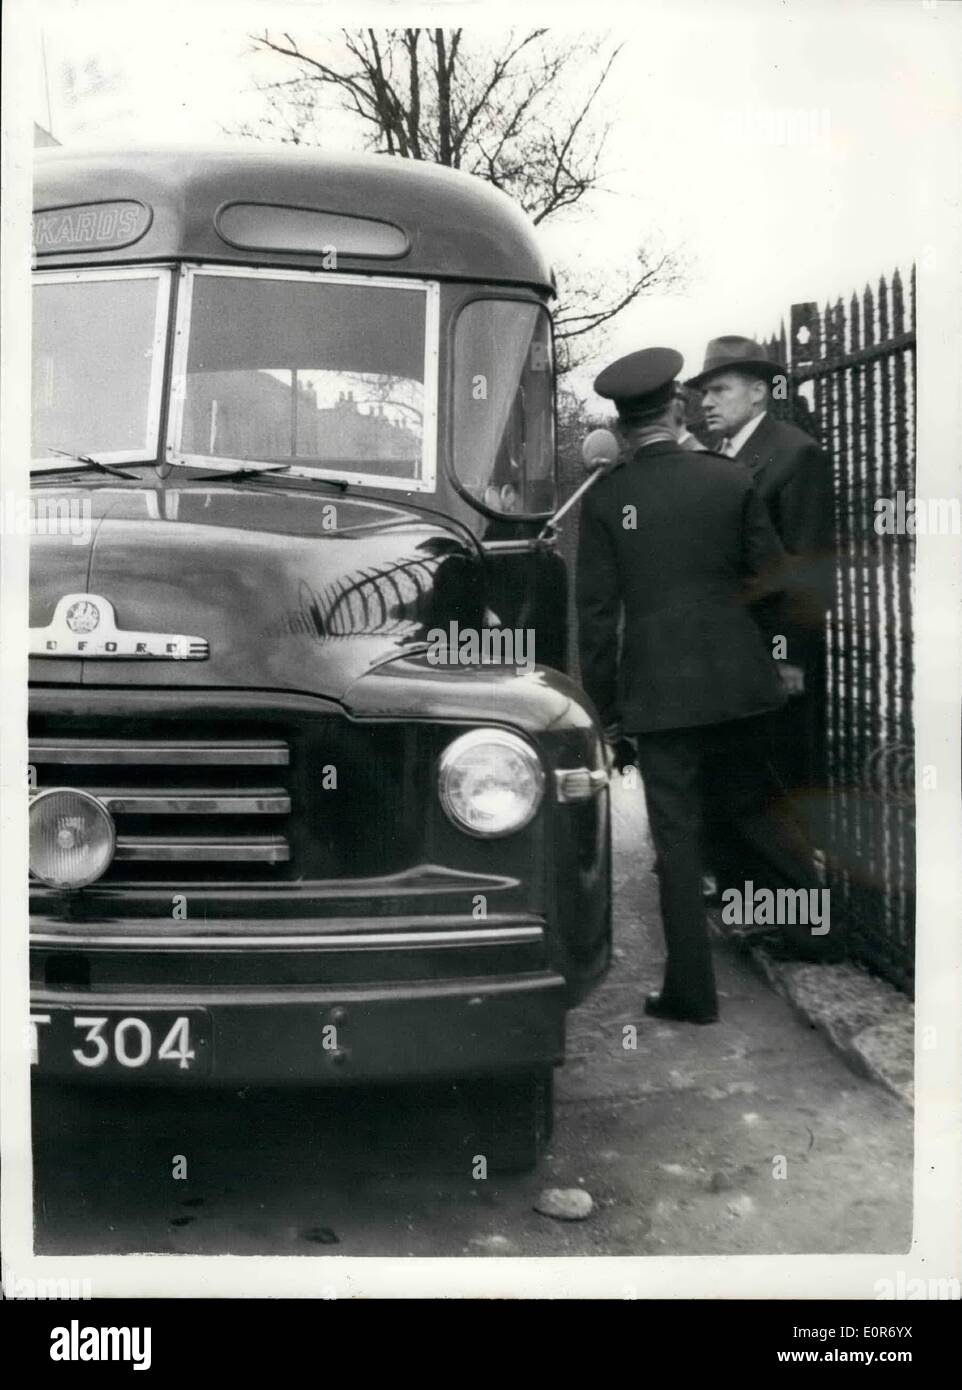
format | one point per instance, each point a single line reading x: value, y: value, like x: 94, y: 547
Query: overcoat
x: 681, y: 545
x: 794, y: 479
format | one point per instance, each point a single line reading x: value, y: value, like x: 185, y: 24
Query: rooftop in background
x: 456, y: 226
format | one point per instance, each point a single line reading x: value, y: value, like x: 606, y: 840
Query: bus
x: 313, y: 800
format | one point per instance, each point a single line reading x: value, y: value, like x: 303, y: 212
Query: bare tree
x: 590, y: 299
x: 574, y: 421
x: 524, y: 115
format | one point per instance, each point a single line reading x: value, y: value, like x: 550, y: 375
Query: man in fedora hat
x: 676, y: 544
x: 793, y: 476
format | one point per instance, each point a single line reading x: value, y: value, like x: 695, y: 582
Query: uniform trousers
x: 760, y: 839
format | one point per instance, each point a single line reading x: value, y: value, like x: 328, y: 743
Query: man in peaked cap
x: 794, y: 478
x: 677, y: 543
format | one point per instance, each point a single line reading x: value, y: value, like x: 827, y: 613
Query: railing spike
x: 898, y: 303
x: 883, y: 309
x: 868, y: 317
x: 855, y: 321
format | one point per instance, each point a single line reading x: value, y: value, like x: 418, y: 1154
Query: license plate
x: 153, y: 1042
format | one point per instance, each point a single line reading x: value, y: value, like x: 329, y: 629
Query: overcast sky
x: 778, y: 144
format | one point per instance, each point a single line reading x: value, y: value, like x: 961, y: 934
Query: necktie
x: 727, y: 449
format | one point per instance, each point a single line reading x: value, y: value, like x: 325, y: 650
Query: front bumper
x: 383, y: 1032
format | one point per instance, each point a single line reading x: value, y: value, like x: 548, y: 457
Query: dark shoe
x: 658, y: 1007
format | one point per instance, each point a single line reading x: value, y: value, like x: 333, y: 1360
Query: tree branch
x: 523, y: 117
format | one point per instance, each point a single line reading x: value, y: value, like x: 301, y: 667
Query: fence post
x: 804, y: 349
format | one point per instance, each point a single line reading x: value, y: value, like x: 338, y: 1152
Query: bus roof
x: 274, y: 205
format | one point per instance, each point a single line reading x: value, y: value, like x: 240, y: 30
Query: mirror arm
x: 548, y: 531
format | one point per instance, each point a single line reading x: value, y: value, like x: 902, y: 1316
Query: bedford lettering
x: 76, y: 1343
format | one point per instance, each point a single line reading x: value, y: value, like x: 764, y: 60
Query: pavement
x: 754, y: 1135
x: 868, y: 1022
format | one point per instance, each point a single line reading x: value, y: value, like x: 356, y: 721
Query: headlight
x: 72, y: 837
x: 490, y: 782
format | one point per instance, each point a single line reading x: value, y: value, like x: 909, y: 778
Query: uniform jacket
x: 692, y: 444
x: 702, y: 548
x: 794, y: 478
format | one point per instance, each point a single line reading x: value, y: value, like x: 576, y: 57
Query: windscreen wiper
x: 89, y: 461
x: 254, y: 470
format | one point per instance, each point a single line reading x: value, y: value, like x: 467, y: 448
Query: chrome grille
x: 163, y: 816
x: 160, y: 752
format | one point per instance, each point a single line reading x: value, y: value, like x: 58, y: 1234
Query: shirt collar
x: 657, y: 434
x: 746, y: 432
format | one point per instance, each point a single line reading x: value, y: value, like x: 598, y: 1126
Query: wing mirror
x: 600, y: 449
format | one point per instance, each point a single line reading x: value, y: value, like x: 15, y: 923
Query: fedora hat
x: 733, y: 353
